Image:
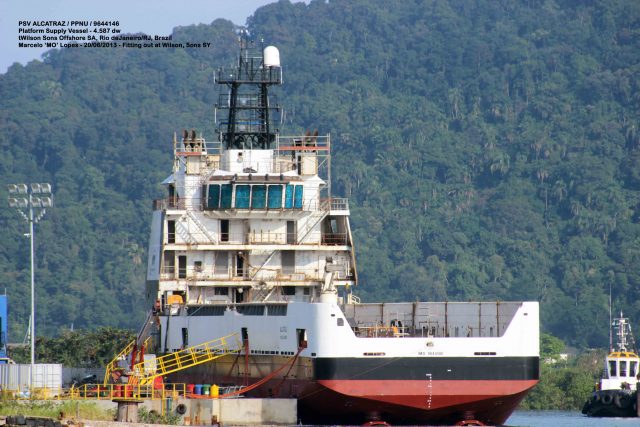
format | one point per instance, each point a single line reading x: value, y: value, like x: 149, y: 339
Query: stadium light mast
x: 29, y: 197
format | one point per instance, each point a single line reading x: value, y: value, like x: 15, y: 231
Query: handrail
x: 97, y: 392
x: 259, y: 237
x: 333, y: 204
x: 186, y: 358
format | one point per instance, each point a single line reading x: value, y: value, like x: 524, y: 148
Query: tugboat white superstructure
x: 251, y: 241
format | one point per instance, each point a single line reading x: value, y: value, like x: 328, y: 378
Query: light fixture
x: 17, y: 188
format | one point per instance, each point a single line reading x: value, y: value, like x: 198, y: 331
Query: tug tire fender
x: 607, y: 399
x: 622, y: 401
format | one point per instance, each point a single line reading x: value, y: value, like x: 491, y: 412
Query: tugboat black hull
x: 611, y: 403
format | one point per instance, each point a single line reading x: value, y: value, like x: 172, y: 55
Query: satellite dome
x: 271, y: 56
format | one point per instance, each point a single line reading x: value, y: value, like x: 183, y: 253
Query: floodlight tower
x: 35, y: 196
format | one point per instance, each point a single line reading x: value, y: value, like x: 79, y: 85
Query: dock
x: 192, y: 412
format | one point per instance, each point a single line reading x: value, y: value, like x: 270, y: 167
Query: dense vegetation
x: 564, y: 384
x: 490, y: 149
x: 79, y: 348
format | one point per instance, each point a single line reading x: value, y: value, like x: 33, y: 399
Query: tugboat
x: 615, y: 395
x: 251, y: 242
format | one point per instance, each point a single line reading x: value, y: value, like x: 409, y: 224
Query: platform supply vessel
x: 251, y: 242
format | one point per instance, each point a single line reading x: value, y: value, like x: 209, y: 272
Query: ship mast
x: 250, y: 108
x: 610, y: 323
x: 623, y: 334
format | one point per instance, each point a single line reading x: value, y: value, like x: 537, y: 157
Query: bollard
x: 127, y: 410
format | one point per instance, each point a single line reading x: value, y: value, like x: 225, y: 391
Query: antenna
x: 610, y: 323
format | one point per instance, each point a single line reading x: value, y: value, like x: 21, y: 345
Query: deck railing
x: 98, y: 392
x: 334, y: 204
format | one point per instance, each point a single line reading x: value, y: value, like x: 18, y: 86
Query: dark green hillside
x: 98, y: 125
x: 490, y: 149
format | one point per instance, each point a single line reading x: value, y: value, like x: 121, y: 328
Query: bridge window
x: 612, y: 369
x: 253, y: 196
x: 213, y: 196
x: 275, y: 197
x: 242, y: 196
x: 225, y: 196
x: 258, y: 196
x: 623, y: 368
x: 288, y: 197
x: 297, y: 197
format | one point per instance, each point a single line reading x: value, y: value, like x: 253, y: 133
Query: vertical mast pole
x: 33, y: 305
x: 610, y: 322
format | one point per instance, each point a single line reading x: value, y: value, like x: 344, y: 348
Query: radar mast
x: 250, y: 109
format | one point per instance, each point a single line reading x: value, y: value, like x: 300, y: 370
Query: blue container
x: 197, y: 389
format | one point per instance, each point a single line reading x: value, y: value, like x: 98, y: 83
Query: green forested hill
x: 490, y: 149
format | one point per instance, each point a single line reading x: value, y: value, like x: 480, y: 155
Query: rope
x: 254, y: 385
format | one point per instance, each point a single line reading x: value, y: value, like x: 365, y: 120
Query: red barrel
x: 190, y: 388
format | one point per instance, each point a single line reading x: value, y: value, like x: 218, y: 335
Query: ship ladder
x: 145, y: 331
x: 264, y: 292
x: 186, y: 358
x: 202, y: 227
x: 320, y: 214
x: 255, y: 273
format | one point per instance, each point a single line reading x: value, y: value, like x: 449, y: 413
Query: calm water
x: 565, y: 419
x: 561, y: 419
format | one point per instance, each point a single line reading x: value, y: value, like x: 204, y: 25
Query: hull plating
x: 352, y: 397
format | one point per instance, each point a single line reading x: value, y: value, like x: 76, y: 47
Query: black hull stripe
x: 420, y: 368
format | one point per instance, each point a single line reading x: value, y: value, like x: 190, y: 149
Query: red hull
x: 411, y: 402
x: 394, y: 401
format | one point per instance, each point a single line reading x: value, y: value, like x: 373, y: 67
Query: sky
x: 153, y: 17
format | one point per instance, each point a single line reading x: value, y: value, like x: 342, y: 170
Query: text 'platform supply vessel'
x: 250, y: 242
